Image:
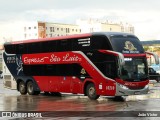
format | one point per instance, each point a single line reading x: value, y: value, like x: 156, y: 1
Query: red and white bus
x: 93, y: 64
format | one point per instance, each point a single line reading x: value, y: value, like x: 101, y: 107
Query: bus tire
x: 158, y: 79
x: 30, y: 88
x: 22, y: 88
x: 91, y: 92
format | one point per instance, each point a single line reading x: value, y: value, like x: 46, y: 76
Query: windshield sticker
x: 83, y: 71
x: 129, y: 48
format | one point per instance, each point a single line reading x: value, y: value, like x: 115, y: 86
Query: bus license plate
x: 137, y: 93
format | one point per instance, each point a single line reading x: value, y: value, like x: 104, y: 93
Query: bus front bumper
x: 122, y: 90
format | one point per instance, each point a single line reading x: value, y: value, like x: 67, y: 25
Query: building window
x: 24, y: 28
x: 72, y: 30
x: 46, y: 28
x: 29, y: 28
x: 122, y: 29
x: 25, y: 35
x: 61, y: 29
x: 50, y: 29
x: 57, y: 28
x: 80, y: 30
x: 35, y: 27
x: 67, y: 30
x: 110, y: 29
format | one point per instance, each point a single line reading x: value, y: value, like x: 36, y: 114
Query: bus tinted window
x: 107, y: 66
x: 10, y: 49
x: 53, y: 70
x: 100, y: 42
x: 34, y: 48
x: 49, y: 46
x: 21, y: 48
x: 64, y: 45
x: 126, y: 44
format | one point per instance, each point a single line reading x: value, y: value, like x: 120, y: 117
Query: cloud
x: 142, y: 14
x: 145, y: 22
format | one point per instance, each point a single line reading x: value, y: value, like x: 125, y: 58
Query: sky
x: 144, y: 15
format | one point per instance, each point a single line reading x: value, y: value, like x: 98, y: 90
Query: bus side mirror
x: 156, y: 57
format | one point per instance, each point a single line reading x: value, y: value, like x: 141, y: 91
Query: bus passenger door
x: 53, y: 79
x: 78, y: 75
x: 76, y: 86
x: 64, y: 71
x: 59, y: 84
x: 65, y: 84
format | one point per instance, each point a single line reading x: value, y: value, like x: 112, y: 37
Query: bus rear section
x: 109, y: 64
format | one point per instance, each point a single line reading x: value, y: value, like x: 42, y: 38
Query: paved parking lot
x: 11, y: 100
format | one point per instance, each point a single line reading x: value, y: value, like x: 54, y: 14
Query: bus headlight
x: 122, y: 86
x: 146, y: 87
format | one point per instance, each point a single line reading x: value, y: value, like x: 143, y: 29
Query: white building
x: 38, y: 29
x: 98, y: 25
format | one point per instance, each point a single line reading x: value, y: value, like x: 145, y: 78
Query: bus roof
x: 68, y: 37
x: 50, y: 39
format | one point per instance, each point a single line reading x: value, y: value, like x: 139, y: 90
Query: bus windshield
x: 135, y: 69
x: 126, y: 44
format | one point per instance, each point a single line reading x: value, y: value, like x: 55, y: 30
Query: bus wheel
x: 22, y: 88
x: 158, y: 79
x: 30, y: 88
x: 91, y: 92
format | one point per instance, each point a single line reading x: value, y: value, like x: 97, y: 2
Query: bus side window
x: 110, y: 70
x: 75, y: 44
x: 50, y: 70
x: 79, y: 71
x: 10, y: 49
x: 32, y: 46
x: 49, y: 46
x: 68, y: 70
x: 100, y: 42
x: 64, y: 45
x: 21, y: 48
x: 31, y: 70
x: 65, y: 70
x: 27, y: 69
